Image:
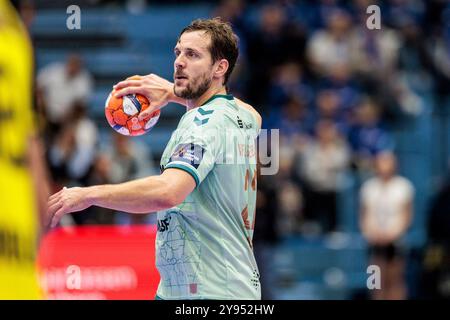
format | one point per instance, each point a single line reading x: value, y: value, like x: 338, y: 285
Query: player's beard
x: 194, y: 92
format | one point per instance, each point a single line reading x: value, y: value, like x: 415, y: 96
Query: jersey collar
x: 225, y: 96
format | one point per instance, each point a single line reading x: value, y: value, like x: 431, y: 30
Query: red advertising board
x: 99, y: 262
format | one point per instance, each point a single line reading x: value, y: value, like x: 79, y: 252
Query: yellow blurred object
x: 18, y: 213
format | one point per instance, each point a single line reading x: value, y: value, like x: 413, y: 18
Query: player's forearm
x: 138, y: 196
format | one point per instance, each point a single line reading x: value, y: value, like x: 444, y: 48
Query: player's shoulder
x: 216, y: 111
x: 229, y: 106
x: 250, y: 108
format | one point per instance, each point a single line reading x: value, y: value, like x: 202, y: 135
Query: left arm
x: 138, y: 196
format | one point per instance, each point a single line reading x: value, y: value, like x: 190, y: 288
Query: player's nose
x: 180, y: 62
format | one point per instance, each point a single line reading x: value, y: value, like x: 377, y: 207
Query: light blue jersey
x: 204, y: 245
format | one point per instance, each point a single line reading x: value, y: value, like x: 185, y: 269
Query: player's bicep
x: 181, y: 183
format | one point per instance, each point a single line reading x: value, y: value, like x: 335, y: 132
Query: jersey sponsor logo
x: 190, y: 153
x: 202, y: 116
x: 240, y: 123
x: 243, y: 124
x: 199, y: 122
x: 205, y: 112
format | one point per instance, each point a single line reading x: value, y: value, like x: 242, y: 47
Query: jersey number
x: 250, y: 179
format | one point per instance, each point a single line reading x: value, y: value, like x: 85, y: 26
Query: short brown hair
x: 224, y: 42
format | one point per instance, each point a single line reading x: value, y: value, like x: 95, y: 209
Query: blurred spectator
x: 59, y: 87
x: 435, y: 15
x: 59, y: 153
x: 136, y: 6
x: 100, y: 174
x: 292, y: 120
x: 27, y: 12
x: 129, y: 160
x: 316, y: 13
x: 374, y: 52
x: 440, y: 52
x: 399, y: 10
x: 343, y: 84
x: 122, y: 161
x: 288, y: 80
x: 386, y: 214
x: 289, y: 214
x: 265, y: 235
x: 367, y: 137
x: 374, y: 55
x: 328, y: 105
x: 332, y: 45
x: 73, y: 150
x: 235, y: 12
x: 415, y: 69
x: 71, y: 154
x: 275, y: 41
x: 322, y: 163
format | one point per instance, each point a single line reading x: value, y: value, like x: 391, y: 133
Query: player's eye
x: 192, y: 54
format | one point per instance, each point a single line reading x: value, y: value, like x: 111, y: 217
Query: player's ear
x: 221, y: 68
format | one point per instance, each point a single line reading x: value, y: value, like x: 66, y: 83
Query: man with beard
x: 206, y: 193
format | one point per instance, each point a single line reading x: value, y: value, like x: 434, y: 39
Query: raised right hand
x: 158, y: 91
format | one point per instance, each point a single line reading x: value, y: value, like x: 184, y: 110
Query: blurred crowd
x: 334, y: 89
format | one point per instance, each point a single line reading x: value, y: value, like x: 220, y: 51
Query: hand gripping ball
x: 122, y: 114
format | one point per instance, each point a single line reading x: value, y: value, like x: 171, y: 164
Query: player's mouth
x: 180, y: 80
x: 180, y: 77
